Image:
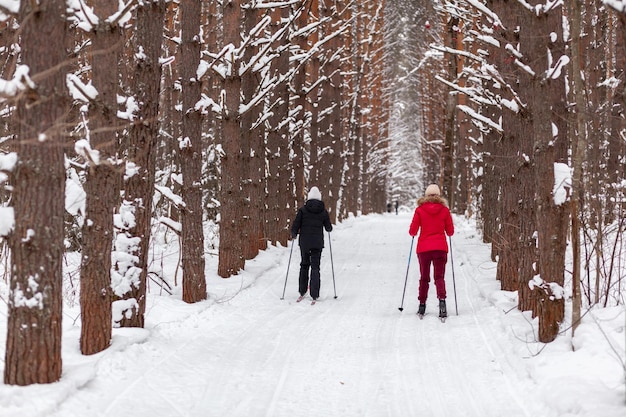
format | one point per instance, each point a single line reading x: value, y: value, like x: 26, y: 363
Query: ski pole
x: 453, y: 280
x: 407, y: 274
x: 332, y: 267
x: 288, y: 263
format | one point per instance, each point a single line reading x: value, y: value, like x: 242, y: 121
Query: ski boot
x: 443, y: 312
x: 421, y: 310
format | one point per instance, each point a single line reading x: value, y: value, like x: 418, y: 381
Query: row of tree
x: 229, y: 110
x: 510, y: 94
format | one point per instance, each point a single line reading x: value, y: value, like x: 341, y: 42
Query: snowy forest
x: 206, y: 122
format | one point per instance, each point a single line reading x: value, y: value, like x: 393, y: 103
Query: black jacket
x: 310, y: 223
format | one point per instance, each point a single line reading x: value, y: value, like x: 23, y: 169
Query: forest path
x: 256, y: 355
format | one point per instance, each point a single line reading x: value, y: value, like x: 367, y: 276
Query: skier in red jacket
x: 433, y: 221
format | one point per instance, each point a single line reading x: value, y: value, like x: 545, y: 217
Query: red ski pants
x: 438, y: 259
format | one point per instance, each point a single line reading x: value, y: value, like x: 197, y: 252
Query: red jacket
x: 433, y: 220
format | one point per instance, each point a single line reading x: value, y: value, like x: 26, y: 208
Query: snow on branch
x: 524, y: 67
x: 169, y: 194
x: 82, y: 15
x: 307, y: 30
x: 263, y: 92
x: 217, y: 65
x: 270, y: 4
x: 487, y: 12
x: 480, y: 118
x: 539, y: 9
x: 458, y: 52
x: 223, y: 63
x: 554, y: 72
x: 8, y: 8
x: 174, y: 225
x: 427, y: 56
x: 86, y: 19
x: 79, y: 90
x: 263, y: 52
x: 123, y: 15
x: 492, y: 71
x: 553, y: 290
x: 20, y: 82
x: 83, y: 148
x: 207, y: 102
x: 617, y: 5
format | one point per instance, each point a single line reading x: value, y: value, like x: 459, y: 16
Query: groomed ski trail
x: 356, y: 355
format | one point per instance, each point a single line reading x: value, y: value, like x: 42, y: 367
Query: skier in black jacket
x: 310, y: 222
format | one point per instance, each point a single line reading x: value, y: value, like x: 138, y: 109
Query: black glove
x: 293, y: 235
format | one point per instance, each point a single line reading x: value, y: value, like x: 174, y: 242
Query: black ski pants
x: 310, y: 260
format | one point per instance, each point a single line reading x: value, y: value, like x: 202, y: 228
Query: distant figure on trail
x: 388, y: 207
x: 433, y: 221
x: 396, y: 206
x: 310, y: 222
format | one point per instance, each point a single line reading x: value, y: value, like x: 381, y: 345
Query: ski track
x: 356, y: 355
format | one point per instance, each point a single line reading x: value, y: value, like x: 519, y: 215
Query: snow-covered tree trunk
x: 231, y: 259
x: 280, y: 199
x: 326, y: 144
x: 447, y: 181
x: 491, y: 165
x: 299, y: 106
x: 358, y: 197
x: 506, y: 155
x: 102, y: 185
x: 192, y: 233
x: 142, y: 144
x: 552, y: 217
x: 617, y: 146
x: 314, y: 91
x: 252, y: 139
x: 354, y: 135
x: 578, y: 156
x: 330, y: 101
x: 372, y: 149
x: 33, y: 344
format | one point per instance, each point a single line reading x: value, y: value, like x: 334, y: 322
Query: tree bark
x: 101, y: 187
x: 231, y: 259
x: 252, y: 140
x: 280, y: 199
x: 142, y: 142
x: 192, y: 235
x: 448, y: 150
x: 551, y: 218
x: 33, y: 344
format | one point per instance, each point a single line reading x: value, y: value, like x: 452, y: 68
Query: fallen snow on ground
x: 245, y: 352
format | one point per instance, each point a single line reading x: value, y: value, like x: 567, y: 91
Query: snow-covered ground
x: 247, y: 353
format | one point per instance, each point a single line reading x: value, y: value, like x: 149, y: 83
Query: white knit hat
x: 315, y: 194
x: 432, y: 190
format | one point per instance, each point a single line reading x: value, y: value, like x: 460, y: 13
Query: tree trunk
x: 33, y: 344
x: 251, y: 148
x: 578, y: 152
x: 142, y: 143
x: 299, y: 107
x: 192, y: 236
x: 231, y: 259
x: 448, y: 150
x: 551, y: 218
x: 280, y: 201
x: 102, y: 189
